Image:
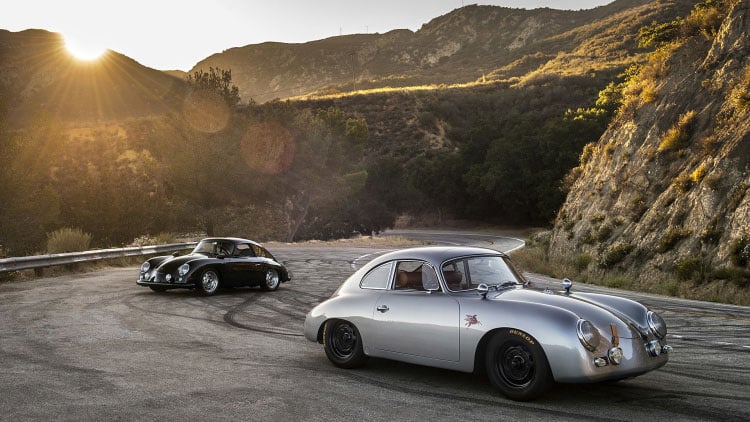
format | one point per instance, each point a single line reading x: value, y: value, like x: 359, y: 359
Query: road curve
x: 97, y: 346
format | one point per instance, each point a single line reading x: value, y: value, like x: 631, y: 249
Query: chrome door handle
x: 382, y: 308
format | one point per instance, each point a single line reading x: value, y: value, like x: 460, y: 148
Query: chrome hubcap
x: 210, y: 281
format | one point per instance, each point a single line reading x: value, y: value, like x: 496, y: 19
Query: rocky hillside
x: 664, y: 192
x: 465, y: 45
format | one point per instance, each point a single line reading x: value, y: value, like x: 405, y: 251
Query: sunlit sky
x: 176, y: 34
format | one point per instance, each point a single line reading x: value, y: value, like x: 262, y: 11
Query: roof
x: 434, y: 254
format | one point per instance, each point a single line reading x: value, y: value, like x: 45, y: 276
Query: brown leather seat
x: 453, y: 279
x: 409, y: 280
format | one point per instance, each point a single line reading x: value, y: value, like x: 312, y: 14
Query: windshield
x: 468, y: 273
x: 214, y: 247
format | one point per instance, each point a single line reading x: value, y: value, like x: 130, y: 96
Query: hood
x: 600, y: 315
x: 171, y: 265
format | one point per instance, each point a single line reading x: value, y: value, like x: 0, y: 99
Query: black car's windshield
x: 468, y: 273
x: 214, y: 247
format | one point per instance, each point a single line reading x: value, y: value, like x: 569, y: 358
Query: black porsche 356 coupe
x: 215, y: 263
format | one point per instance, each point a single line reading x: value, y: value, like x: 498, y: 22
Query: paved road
x: 98, y: 347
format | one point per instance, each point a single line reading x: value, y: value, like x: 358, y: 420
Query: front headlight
x: 184, y: 268
x: 588, y: 334
x: 656, y: 324
x: 145, y: 267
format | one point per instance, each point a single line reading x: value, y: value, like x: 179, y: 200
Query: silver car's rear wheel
x: 343, y: 344
x: 517, y: 366
x: 209, y: 282
x: 271, y: 280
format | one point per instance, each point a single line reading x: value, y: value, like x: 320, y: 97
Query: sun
x: 85, y: 49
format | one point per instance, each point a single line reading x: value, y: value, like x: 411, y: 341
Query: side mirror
x: 567, y: 284
x: 483, y: 288
x: 221, y: 256
x: 175, y: 254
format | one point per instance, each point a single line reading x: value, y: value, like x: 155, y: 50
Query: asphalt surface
x: 96, y: 346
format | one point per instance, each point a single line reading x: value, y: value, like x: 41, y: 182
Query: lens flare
x: 206, y: 111
x: 268, y: 147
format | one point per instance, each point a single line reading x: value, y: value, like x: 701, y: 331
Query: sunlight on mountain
x: 87, y: 49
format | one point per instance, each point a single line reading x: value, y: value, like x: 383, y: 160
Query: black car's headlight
x: 588, y: 334
x: 145, y: 267
x: 184, y: 268
x: 656, y: 324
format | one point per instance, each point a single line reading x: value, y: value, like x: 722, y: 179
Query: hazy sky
x: 176, y: 34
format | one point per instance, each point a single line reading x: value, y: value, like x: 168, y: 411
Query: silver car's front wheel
x: 517, y: 365
x: 209, y: 282
x: 271, y: 280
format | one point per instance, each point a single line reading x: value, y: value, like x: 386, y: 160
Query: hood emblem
x: 471, y: 320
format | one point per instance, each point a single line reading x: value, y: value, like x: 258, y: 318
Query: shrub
x: 657, y: 34
x: 671, y: 237
x: 582, y: 262
x: 687, y: 268
x: 739, y: 251
x: 699, y: 173
x: 67, y: 240
x: 614, y: 254
x: 682, y: 183
x: 677, y: 136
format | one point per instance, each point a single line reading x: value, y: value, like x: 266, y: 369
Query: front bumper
x: 157, y: 279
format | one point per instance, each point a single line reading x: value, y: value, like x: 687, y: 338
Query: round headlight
x: 184, y: 268
x: 657, y: 324
x: 145, y: 267
x: 588, y: 334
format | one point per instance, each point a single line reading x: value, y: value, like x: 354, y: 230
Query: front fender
x: 553, y: 328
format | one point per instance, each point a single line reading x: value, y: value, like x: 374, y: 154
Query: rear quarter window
x: 377, y: 278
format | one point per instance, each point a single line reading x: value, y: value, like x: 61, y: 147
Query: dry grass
x: 534, y: 259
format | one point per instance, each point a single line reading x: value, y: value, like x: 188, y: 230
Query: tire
x: 343, y: 344
x: 517, y: 366
x: 158, y: 289
x: 209, y: 282
x: 271, y: 281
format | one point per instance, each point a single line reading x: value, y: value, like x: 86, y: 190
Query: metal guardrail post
x: 51, y: 260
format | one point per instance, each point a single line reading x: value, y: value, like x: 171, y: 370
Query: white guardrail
x: 51, y: 260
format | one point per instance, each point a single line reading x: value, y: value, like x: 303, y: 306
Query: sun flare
x: 85, y: 49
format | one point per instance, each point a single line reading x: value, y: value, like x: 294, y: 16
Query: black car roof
x: 234, y: 240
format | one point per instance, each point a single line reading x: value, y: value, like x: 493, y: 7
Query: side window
x: 415, y: 275
x: 455, y: 275
x: 377, y: 278
x: 243, y: 250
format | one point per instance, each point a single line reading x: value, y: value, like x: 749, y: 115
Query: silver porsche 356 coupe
x: 468, y: 309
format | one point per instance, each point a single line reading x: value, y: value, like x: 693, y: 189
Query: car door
x: 246, y: 267
x: 411, y: 320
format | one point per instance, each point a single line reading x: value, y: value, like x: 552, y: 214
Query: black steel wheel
x: 271, y: 280
x: 343, y: 344
x: 517, y: 365
x: 209, y: 282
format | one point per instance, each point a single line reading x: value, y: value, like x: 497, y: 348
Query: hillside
x: 41, y: 77
x: 663, y: 195
x: 466, y: 45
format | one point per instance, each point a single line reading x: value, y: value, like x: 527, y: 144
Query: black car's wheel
x: 158, y: 289
x: 343, y: 344
x: 517, y: 366
x: 208, y: 284
x: 271, y: 280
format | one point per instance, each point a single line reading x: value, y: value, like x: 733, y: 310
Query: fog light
x: 654, y: 348
x: 615, y: 355
x: 666, y: 349
x: 599, y: 362
x: 169, y: 278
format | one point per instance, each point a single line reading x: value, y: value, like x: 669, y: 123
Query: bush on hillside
x: 68, y: 240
